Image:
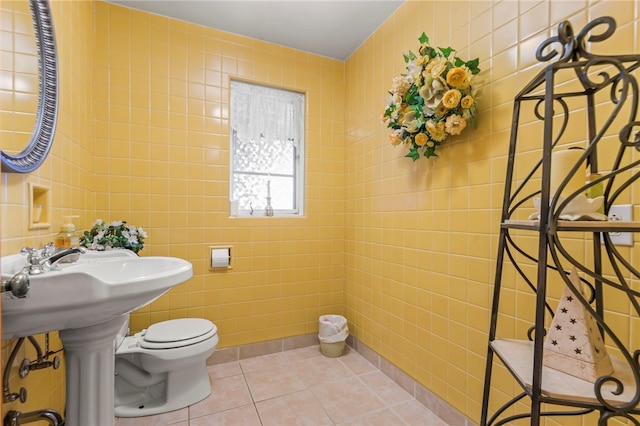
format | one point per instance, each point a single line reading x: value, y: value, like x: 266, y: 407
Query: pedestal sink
x: 87, y: 301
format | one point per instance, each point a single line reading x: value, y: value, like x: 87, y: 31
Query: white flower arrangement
x: 432, y: 101
x: 117, y: 234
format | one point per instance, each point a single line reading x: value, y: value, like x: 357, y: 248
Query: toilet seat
x: 177, y: 333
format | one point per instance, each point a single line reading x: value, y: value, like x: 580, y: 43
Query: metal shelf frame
x: 607, y: 88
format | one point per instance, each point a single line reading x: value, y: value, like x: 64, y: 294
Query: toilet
x: 163, y: 368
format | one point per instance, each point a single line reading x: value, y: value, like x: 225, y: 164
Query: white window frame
x: 297, y: 129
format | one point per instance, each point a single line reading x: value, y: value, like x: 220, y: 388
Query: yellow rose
x: 459, y: 78
x: 467, y: 102
x: 451, y: 99
x: 455, y: 124
x: 441, y: 110
x: 436, y: 130
x: 421, y: 139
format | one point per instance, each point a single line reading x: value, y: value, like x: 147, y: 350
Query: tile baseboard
x: 237, y: 353
x: 423, y: 395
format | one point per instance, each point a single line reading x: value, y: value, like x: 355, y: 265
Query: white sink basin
x: 98, y: 287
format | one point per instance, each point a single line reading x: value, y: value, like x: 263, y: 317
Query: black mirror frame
x: 42, y: 138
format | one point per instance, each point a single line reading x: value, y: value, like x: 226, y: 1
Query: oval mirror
x: 36, y: 149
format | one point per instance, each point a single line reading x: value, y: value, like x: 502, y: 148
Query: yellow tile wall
x: 161, y: 90
x: 67, y: 172
x: 404, y: 250
x: 421, y: 238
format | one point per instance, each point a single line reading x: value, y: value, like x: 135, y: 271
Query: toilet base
x: 181, y: 388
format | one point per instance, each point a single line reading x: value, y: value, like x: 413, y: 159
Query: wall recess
x: 39, y: 207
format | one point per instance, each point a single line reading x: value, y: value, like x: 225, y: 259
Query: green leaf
x: 447, y: 67
x: 424, y: 39
x: 413, y: 154
x: 446, y: 52
x: 459, y: 62
x: 430, y: 152
x: 389, y: 111
x: 473, y: 65
x: 428, y: 51
x: 409, y: 57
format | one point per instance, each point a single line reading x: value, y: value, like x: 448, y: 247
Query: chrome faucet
x: 39, y: 262
x: 51, y: 261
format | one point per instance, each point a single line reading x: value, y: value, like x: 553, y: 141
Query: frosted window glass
x: 267, y: 132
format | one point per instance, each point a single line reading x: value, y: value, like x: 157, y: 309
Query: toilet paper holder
x: 220, y: 258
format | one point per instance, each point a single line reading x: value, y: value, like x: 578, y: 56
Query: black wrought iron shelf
x: 559, y: 387
x: 604, y: 89
x: 576, y: 225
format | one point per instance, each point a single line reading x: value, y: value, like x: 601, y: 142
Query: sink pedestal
x: 87, y: 302
x: 90, y: 358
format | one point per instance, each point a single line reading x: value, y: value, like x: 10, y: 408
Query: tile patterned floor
x: 298, y: 387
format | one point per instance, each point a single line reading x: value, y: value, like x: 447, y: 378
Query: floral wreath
x: 432, y: 101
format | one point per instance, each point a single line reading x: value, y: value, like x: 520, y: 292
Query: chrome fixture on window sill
x: 268, y: 210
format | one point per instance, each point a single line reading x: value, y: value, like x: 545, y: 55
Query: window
x: 266, y: 149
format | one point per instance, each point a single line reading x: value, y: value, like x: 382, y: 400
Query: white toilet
x: 163, y: 368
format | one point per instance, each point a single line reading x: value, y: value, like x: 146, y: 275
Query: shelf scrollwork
x: 600, y: 92
x: 573, y: 46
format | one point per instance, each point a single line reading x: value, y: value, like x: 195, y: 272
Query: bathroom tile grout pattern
x: 298, y: 387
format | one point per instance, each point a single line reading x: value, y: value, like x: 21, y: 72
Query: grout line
x: 253, y: 401
x: 383, y: 366
x: 324, y: 410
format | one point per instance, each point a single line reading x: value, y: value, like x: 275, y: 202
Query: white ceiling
x: 334, y: 29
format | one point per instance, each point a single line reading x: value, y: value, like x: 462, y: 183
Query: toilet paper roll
x: 562, y: 161
x: 220, y: 258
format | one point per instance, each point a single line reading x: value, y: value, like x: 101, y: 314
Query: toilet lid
x: 177, y: 333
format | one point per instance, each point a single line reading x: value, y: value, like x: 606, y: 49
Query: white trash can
x: 332, y: 333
